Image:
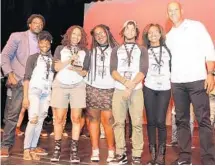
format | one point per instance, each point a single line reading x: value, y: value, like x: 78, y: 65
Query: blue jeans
x: 37, y: 112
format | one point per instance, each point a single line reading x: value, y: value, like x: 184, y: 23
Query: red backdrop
x: 115, y: 12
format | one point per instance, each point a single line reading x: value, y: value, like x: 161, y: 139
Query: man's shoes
x: 4, y: 152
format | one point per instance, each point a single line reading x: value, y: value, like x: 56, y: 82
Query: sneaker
x: 74, y: 158
x: 19, y: 132
x: 110, y: 155
x: 136, y: 161
x: 102, y: 135
x: 27, y: 155
x: 44, y: 134
x: 65, y: 134
x: 56, y: 155
x: 119, y: 160
x: 4, y: 152
x: 95, y: 156
x: 181, y: 162
x: 40, y: 151
x: 173, y: 144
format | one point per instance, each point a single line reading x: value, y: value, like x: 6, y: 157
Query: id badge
x: 159, y: 80
x: 128, y: 75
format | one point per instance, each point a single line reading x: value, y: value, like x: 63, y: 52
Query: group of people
x: 109, y: 80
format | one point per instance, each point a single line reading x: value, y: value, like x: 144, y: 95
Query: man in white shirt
x: 191, y: 47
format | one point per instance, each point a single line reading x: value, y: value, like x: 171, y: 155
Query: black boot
x: 153, y: 152
x: 74, y: 158
x: 57, y: 151
x: 161, y: 155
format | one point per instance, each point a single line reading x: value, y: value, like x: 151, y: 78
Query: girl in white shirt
x: 71, y: 64
x: 100, y: 88
x: 157, y: 90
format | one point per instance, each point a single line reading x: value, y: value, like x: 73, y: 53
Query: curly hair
x: 130, y: 23
x: 66, y: 41
x: 33, y: 16
x: 146, y: 41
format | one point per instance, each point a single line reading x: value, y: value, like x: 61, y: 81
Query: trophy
x: 75, y: 62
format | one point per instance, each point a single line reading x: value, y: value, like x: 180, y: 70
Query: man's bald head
x: 175, y: 12
x: 174, y: 3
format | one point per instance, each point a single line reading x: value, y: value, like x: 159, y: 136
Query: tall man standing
x: 192, y: 80
x: 14, y: 56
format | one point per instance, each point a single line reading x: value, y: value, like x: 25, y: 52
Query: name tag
x: 128, y: 75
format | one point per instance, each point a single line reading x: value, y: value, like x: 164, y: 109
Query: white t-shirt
x: 129, y: 72
x: 39, y: 75
x: 103, y: 78
x: 155, y: 80
x: 67, y: 76
x: 190, y: 46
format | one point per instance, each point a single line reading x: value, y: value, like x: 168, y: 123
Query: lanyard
x: 103, y: 58
x: 48, y: 65
x: 158, y: 61
x: 129, y: 53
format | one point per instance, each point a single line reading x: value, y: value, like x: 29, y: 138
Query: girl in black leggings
x: 157, y: 90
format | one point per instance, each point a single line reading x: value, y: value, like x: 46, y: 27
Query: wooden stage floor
x: 85, y: 151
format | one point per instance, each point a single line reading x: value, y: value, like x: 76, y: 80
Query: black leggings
x: 156, y: 104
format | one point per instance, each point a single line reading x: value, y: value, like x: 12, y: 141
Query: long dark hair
x: 146, y: 41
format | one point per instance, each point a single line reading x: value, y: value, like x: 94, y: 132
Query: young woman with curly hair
x: 71, y: 65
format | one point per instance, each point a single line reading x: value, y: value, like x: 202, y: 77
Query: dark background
x: 59, y: 15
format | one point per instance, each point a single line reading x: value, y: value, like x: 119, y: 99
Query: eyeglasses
x: 99, y: 34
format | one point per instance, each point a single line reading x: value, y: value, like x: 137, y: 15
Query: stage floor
x: 85, y: 151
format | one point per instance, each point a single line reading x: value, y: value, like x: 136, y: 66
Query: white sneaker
x: 102, y: 135
x: 111, y: 155
x: 52, y: 133
x: 95, y: 155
